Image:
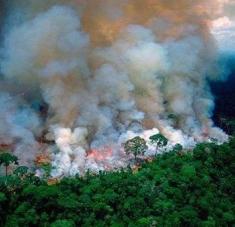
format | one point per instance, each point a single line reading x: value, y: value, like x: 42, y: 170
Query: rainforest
x: 117, y: 113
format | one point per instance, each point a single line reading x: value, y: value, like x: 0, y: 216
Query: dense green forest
x: 179, y: 188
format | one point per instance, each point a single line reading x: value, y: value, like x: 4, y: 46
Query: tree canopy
x: 194, y: 188
x: 136, y: 146
x: 159, y: 140
x: 6, y: 159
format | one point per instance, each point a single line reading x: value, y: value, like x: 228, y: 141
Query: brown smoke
x: 109, y: 70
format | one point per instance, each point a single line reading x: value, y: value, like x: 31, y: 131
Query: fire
x: 100, y: 155
x: 94, y: 72
x: 42, y: 159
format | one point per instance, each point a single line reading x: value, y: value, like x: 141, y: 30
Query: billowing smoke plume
x: 105, y: 71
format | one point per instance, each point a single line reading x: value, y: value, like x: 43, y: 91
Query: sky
x: 224, y: 28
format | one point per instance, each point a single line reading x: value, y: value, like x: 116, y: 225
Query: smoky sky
x: 107, y: 71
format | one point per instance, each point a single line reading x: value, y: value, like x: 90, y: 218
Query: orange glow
x: 104, y: 29
x: 42, y: 159
x: 52, y: 181
x: 100, y: 154
x: 135, y: 168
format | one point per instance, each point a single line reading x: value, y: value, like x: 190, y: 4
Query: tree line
x: 177, y: 188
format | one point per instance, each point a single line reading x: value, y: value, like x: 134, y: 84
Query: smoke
x: 19, y: 125
x: 106, y: 71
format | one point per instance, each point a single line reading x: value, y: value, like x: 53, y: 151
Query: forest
x: 178, y: 188
x: 117, y: 113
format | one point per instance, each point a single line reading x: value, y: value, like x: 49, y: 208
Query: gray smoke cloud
x: 107, y: 71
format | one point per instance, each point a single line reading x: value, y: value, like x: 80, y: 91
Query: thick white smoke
x: 108, y: 73
x: 19, y: 126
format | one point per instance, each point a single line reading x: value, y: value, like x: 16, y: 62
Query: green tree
x: 63, y: 223
x: 194, y: 189
x: 159, y: 140
x: 47, y: 170
x: 21, y: 171
x: 137, y: 146
x: 3, y: 202
x: 2, y: 197
x: 6, y: 159
x: 178, y: 148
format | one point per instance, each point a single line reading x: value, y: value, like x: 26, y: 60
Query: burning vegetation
x: 94, y: 75
x: 178, y: 188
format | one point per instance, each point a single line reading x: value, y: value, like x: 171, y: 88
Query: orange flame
x: 100, y: 154
x: 42, y: 159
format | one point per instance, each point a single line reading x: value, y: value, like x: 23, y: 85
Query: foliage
x: 159, y: 140
x: 137, y: 146
x: 21, y: 170
x: 63, y: 223
x: 46, y: 169
x: 6, y: 159
x: 178, y: 148
x: 194, y: 188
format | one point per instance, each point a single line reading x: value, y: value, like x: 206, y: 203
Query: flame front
x: 96, y: 73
